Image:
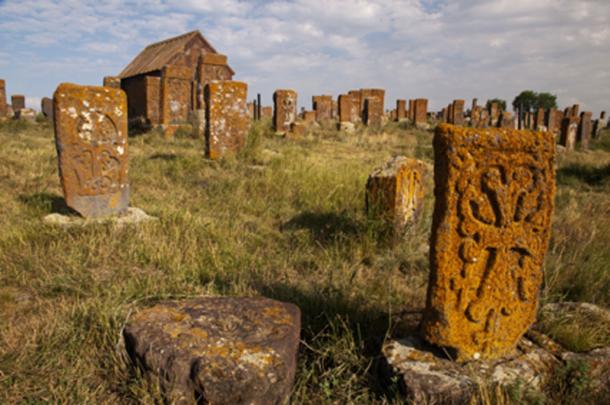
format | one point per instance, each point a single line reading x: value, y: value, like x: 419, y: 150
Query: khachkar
x: 494, y: 200
x: 284, y: 110
x: 227, y: 120
x: 91, y: 139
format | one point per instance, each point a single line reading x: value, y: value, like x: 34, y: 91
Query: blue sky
x: 439, y: 49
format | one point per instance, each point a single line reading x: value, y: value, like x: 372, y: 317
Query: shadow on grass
x: 47, y: 202
x: 324, y: 227
x: 593, y: 176
x: 168, y: 157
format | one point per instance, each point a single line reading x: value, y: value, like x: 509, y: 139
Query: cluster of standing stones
x: 494, y: 192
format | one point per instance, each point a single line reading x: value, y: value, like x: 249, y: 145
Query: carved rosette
x: 494, y: 191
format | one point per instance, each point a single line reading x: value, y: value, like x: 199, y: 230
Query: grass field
x: 284, y: 219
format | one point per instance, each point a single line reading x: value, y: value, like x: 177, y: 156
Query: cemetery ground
x: 284, y: 219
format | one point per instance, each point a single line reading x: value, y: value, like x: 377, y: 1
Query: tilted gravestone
x: 91, y: 139
x: 227, y: 120
x: 494, y: 200
x: 284, y: 110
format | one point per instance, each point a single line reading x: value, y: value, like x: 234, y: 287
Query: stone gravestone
x: 600, y: 124
x: 420, y: 114
x: 218, y: 350
x: 309, y: 117
x: 569, y: 129
x: 411, y: 112
x: 267, y: 112
x: 507, y: 120
x: 322, y: 105
x: 378, y: 94
x: 91, y: 139
x: 175, y: 97
x: 373, y: 111
x: 395, y: 193
x: 18, y: 102
x: 345, y: 108
x: 284, y: 110
x: 551, y: 120
x: 457, y: 112
x: 401, y: 110
x: 112, y: 81
x: 494, y: 200
x: 3, y: 106
x: 494, y: 114
x: 540, y: 125
x: 227, y: 120
x: 46, y: 107
x: 357, y: 99
x: 585, y: 127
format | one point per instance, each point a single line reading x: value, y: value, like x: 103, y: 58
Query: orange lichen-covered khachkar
x: 494, y: 192
x: 91, y: 139
x: 227, y: 120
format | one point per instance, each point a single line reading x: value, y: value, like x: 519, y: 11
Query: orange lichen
x: 494, y: 201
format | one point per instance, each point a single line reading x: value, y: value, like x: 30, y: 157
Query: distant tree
x: 546, y: 101
x: 527, y: 99
x: 501, y: 103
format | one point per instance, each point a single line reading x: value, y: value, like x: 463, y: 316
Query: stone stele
x: 218, y: 350
x: 395, y: 192
x: 494, y: 192
x: 91, y: 139
x: 285, y: 110
x: 227, y: 120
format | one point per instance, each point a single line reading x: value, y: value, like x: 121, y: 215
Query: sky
x: 436, y: 49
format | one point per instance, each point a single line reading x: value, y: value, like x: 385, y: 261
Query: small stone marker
x: 3, y: 106
x: 112, y: 81
x: 227, y: 120
x: 46, y: 107
x: 309, y: 117
x: 421, y: 111
x: 401, y: 110
x: 457, y: 112
x: 91, y: 139
x: 585, y: 127
x: 285, y: 110
x: 395, y: 192
x: 569, y: 129
x: 218, y: 350
x: 26, y: 114
x: 494, y: 200
x: 18, y: 102
x: 322, y: 105
x: 373, y: 111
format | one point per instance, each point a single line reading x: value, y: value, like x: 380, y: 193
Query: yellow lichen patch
x: 161, y: 313
x: 494, y: 201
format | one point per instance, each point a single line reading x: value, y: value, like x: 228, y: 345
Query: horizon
x: 434, y: 49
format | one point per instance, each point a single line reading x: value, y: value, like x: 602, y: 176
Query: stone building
x: 165, y: 82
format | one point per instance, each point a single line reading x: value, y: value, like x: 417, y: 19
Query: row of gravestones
x: 357, y: 106
x: 494, y: 192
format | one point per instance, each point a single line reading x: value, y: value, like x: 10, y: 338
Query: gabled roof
x: 157, y: 55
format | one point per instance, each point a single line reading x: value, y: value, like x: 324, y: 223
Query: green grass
x: 284, y: 219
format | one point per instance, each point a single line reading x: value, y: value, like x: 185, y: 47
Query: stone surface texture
x: 26, y: 114
x: 91, y: 140
x: 373, y: 112
x: 175, y: 95
x: 46, y: 107
x: 494, y: 191
x: 569, y: 130
x: 112, y: 81
x: 218, y: 350
x: 227, y: 120
x: 132, y: 216
x: 323, y: 106
x: 3, y: 103
x: 395, y: 192
x: 284, y: 110
x: 421, y: 111
x: 401, y: 110
x: 17, y: 102
x: 585, y: 128
x: 457, y: 112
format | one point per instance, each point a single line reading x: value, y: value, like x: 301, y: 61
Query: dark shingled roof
x: 157, y: 55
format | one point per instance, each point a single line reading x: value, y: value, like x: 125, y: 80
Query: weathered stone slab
x: 267, y: 112
x: 46, y: 107
x: 26, y: 114
x: 540, y: 124
x: 285, y: 110
x: 599, y: 124
x: 17, y: 102
x: 112, y: 81
x: 198, y: 123
x: 218, y: 350
x: 457, y: 112
x: 395, y: 192
x: 309, y: 117
x: 3, y: 104
x: 411, y: 112
x: 507, y: 120
x: 585, y: 127
x: 357, y: 99
x: 494, y: 114
x: 322, y: 105
x: 227, y: 121
x: 494, y: 193
x: 401, y: 110
x: 349, y: 109
x: 175, y: 94
x: 569, y: 129
x: 421, y: 111
x: 373, y: 111
x: 91, y: 139
x: 133, y: 216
